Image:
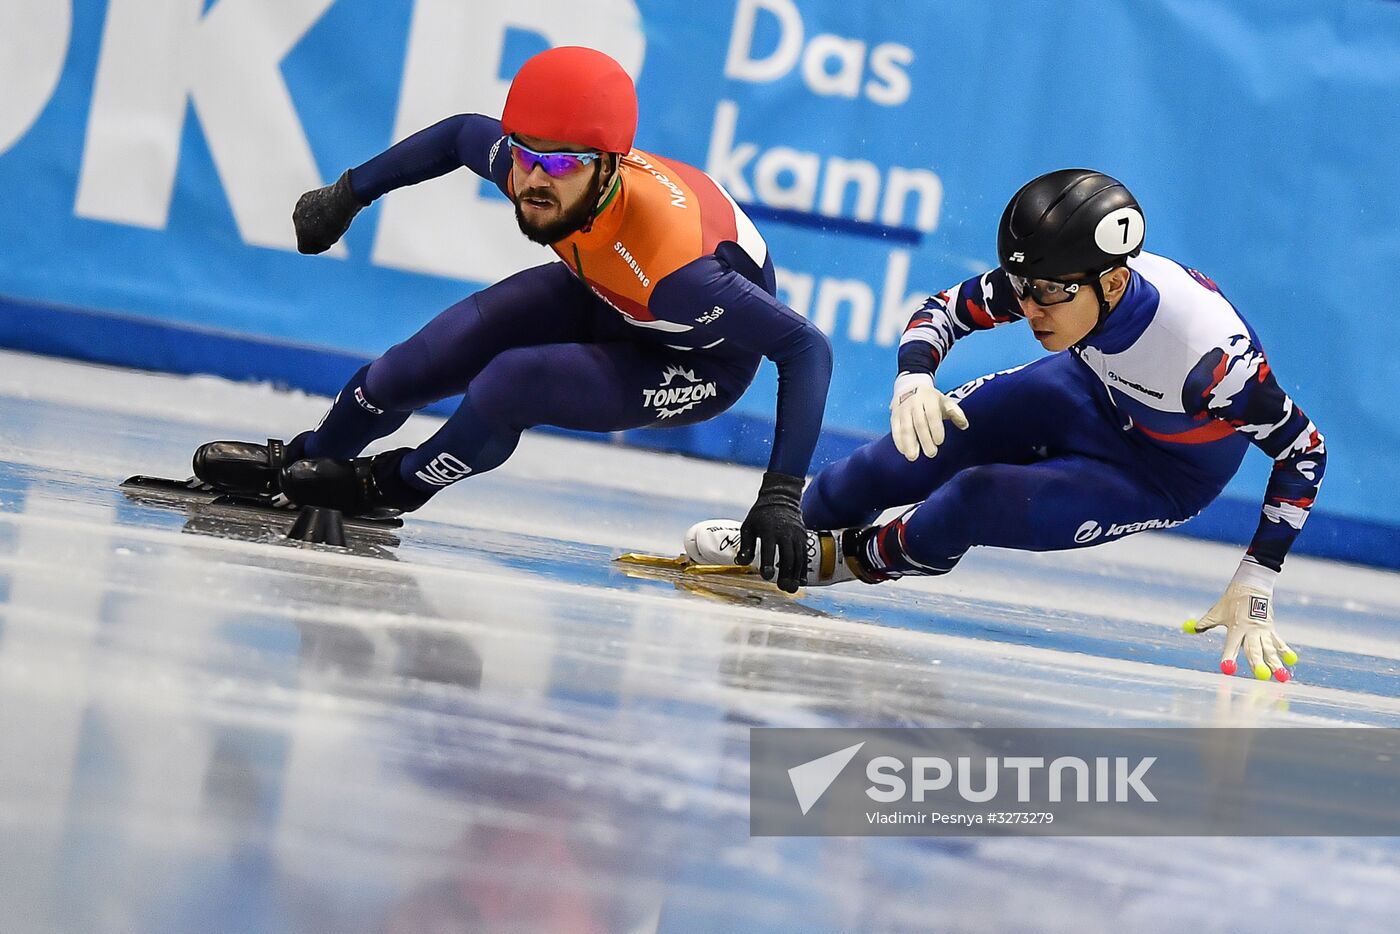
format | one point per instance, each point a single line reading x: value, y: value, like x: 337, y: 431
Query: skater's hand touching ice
x: 1247, y: 613
x: 774, y: 525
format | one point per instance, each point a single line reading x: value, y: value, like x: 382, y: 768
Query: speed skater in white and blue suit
x: 1155, y: 388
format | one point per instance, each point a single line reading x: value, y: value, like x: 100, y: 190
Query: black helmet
x: 1067, y: 222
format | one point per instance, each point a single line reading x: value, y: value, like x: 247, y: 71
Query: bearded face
x: 549, y: 212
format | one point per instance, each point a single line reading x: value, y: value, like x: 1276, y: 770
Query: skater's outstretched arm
x: 978, y: 304
x: 322, y: 215
x: 1235, y: 385
x: 470, y: 140
x: 918, y: 409
x: 717, y: 302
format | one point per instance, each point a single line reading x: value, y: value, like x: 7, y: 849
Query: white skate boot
x: 716, y: 541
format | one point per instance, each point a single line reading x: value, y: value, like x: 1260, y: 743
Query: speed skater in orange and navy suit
x: 1156, y: 387
x: 657, y: 313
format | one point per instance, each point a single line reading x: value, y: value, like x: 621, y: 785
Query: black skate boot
x: 242, y: 468
x: 359, y: 486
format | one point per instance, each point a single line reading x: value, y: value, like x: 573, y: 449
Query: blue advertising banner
x: 151, y: 150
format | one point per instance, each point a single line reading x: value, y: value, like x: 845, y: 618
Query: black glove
x: 322, y: 215
x: 776, y: 520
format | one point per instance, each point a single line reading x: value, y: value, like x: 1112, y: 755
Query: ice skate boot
x: 358, y: 486
x: 832, y: 557
x: 242, y: 468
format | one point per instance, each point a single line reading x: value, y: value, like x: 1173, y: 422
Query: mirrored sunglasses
x: 555, y: 164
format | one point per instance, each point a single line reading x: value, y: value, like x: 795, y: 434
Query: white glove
x: 1247, y: 613
x: 917, y: 412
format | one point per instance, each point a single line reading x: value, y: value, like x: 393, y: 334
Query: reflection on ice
x: 479, y: 723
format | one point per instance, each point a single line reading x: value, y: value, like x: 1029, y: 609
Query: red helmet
x: 574, y: 95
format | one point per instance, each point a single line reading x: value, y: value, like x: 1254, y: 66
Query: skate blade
x: 653, y: 561
x: 725, y: 570
x: 143, y: 484
x: 683, y: 564
x: 722, y: 583
x: 165, y: 491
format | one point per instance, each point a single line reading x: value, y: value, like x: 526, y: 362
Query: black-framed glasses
x: 1049, y: 291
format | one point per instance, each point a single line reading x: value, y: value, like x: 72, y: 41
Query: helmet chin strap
x: 603, y: 193
x: 1103, y: 303
x: 1104, y: 307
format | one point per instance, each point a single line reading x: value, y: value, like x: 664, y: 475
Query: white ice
x: 484, y: 724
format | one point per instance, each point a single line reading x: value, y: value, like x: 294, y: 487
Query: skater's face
x: 1061, y: 325
x: 549, y: 207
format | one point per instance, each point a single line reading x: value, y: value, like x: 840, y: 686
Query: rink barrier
x: 160, y: 346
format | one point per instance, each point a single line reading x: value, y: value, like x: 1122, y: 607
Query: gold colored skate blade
x: 728, y: 570
x: 679, y: 562
x: 736, y: 585
x: 683, y: 564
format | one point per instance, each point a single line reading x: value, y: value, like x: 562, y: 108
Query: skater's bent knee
x: 506, y: 388
x: 820, y: 510
x: 978, y: 487
x: 815, y: 511
x: 391, y: 384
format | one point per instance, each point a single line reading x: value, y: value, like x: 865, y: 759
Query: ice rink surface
x: 480, y: 723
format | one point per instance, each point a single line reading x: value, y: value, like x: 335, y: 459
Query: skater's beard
x: 572, y: 220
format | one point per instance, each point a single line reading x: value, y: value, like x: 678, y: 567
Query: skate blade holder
x: 683, y: 564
